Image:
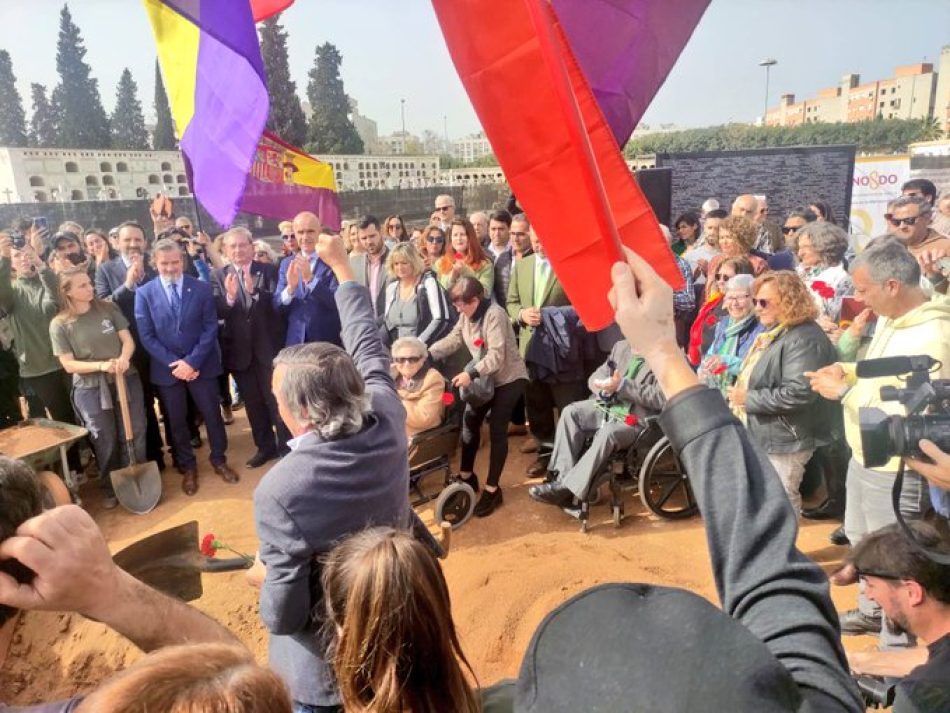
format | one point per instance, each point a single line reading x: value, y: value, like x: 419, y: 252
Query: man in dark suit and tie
x: 251, y: 336
x: 305, y: 289
x: 117, y: 280
x: 178, y: 325
x: 533, y: 287
x: 369, y: 268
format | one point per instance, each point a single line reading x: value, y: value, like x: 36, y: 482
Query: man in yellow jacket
x: 887, y: 278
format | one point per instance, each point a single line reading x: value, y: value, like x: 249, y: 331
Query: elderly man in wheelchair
x: 625, y: 392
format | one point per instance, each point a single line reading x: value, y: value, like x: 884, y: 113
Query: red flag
x: 554, y: 145
x: 263, y: 9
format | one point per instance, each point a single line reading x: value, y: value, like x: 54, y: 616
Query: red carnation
x: 719, y: 370
x: 209, y: 546
x: 710, y: 321
x: 631, y: 420
x: 448, y: 398
x: 823, y: 289
x: 459, y: 256
x: 479, y: 342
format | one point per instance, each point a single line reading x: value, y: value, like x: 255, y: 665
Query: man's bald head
x: 307, y: 229
x: 746, y: 206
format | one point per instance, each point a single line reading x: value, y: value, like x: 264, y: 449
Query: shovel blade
x: 168, y: 561
x: 138, y: 487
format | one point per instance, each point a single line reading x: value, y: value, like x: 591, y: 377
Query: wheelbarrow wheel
x: 455, y: 504
x: 55, y: 492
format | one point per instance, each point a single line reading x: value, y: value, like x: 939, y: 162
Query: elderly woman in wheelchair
x: 419, y: 385
x: 625, y: 392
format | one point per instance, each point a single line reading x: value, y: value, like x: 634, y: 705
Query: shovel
x: 138, y: 486
x: 171, y: 562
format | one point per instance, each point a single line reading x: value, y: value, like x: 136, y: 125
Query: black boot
x: 488, y: 502
x: 831, y: 509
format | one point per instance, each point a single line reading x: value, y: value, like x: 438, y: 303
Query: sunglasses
x: 393, y: 226
x: 435, y: 239
x: 407, y: 360
x: 723, y: 278
x: 443, y: 208
x: 261, y: 253
x: 286, y: 237
x: 787, y: 229
x: 761, y: 303
x: 897, y: 222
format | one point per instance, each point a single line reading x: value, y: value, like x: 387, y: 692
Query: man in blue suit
x: 306, y: 288
x: 178, y: 325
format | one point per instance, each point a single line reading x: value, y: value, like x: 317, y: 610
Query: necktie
x: 176, y: 300
x: 542, y: 282
x: 240, y: 277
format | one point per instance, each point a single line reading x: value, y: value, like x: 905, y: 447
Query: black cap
x: 638, y: 647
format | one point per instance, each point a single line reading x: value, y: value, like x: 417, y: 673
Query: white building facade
x: 471, y: 148
x: 30, y: 175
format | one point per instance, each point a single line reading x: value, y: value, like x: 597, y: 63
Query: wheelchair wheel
x: 664, y: 486
x: 455, y: 504
x: 54, y: 490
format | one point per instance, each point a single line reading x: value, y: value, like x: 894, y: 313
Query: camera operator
x: 936, y: 473
x: 913, y: 591
x: 887, y: 278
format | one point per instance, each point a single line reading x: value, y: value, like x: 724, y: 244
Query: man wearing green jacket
x: 30, y: 300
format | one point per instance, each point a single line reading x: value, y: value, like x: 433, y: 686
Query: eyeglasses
x: 897, y: 222
x: 737, y: 298
x: 881, y: 575
x: 443, y: 208
x: 407, y: 360
x: 762, y: 303
x: 435, y: 239
x: 285, y: 238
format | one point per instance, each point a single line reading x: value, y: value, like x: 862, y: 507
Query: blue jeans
x: 307, y: 708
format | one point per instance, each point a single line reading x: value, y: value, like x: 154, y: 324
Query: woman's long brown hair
x: 394, y: 646
x: 474, y: 257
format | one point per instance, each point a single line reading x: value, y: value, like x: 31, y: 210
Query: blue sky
x: 393, y: 49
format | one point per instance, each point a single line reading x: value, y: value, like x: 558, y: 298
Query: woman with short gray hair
x: 419, y: 385
x: 735, y: 333
x: 821, y: 249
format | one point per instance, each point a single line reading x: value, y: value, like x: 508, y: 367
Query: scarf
x: 614, y: 409
x: 758, y: 348
x: 729, y: 347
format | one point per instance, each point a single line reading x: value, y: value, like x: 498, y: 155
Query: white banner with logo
x: 877, y: 180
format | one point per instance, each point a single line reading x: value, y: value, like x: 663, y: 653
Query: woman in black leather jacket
x: 772, y: 396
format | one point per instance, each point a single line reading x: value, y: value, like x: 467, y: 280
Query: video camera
x: 883, y: 435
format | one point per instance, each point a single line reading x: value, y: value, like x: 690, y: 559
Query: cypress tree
x: 164, y: 137
x: 82, y: 120
x: 286, y: 117
x: 331, y: 131
x: 128, y: 124
x: 12, y: 118
x: 43, y: 132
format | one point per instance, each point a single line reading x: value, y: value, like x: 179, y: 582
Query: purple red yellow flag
x: 285, y: 180
x: 213, y: 71
x: 557, y: 150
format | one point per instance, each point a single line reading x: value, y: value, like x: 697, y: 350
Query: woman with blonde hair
x: 736, y: 237
x: 388, y: 658
x: 465, y: 259
x: 91, y: 338
x: 772, y: 395
x: 416, y: 305
x: 193, y: 678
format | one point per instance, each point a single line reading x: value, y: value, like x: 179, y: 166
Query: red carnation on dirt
x: 631, y: 420
x: 479, y: 342
x: 209, y: 546
x: 448, y: 398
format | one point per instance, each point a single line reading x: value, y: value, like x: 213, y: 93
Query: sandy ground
x: 504, y: 573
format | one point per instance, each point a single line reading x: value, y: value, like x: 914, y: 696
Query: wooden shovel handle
x: 122, y: 390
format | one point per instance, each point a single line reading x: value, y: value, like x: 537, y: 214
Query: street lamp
x: 768, y: 63
x: 402, y: 111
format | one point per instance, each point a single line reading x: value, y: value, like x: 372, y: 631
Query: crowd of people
x: 347, y: 345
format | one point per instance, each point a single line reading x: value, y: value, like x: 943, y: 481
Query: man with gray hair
x: 444, y: 212
x: 887, y: 279
x: 479, y: 221
x: 910, y: 222
x: 348, y: 469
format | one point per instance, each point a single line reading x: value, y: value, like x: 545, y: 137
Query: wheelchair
x: 649, y: 466
x: 431, y: 451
